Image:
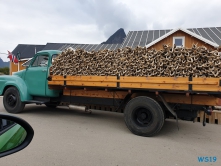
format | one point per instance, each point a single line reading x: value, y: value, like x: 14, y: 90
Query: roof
x: 27, y: 50
x: 188, y: 32
x: 142, y: 38
x: 96, y: 47
x: 211, y: 35
x: 53, y: 46
x: 87, y: 47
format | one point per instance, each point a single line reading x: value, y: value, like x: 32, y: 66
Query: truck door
x: 36, y: 75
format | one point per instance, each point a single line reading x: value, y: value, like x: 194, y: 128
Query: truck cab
x: 35, y: 75
x: 29, y: 85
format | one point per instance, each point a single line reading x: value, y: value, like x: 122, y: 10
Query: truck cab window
x: 40, y: 61
x: 53, y: 57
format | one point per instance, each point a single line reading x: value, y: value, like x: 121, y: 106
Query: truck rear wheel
x: 143, y: 116
x: 12, y: 101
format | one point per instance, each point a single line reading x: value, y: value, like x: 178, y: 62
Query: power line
x: 3, y: 53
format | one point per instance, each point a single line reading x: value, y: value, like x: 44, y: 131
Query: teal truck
x: 145, y: 101
x: 30, y: 85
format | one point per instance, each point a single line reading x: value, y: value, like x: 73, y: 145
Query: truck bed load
x: 140, y: 61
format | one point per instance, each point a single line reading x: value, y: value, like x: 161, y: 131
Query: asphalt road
x: 67, y: 137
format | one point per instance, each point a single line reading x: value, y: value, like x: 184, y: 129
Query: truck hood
x: 19, y: 74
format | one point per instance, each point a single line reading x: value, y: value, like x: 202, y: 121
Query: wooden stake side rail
x: 193, y: 99
x: 196, y: 99
x: 95, y: 93
x: 161, y: 83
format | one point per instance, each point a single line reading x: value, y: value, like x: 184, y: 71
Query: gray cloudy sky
x: 93, y: 21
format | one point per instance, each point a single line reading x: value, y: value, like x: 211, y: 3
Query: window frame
x: 37, y: 58
x: 28, y: 61
x: 179, y: 37
x: 53, y: 56
x: 9, y: 124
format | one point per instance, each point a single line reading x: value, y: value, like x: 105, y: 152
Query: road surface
x: 67, y: 137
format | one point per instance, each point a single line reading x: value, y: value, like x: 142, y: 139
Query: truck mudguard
x: 7, y: 81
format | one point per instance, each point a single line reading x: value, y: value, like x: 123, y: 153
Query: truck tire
x: 12, y: 101
x: 143, y: 116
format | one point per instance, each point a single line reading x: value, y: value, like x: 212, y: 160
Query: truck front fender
x: 8, y: 81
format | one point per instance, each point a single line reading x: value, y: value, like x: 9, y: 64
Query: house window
x: 179, y: 41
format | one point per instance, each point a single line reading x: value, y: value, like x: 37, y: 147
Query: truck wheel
x: 143, y: 116
x: 12, y: 101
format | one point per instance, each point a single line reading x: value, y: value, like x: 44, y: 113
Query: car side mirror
x: 15, y: 134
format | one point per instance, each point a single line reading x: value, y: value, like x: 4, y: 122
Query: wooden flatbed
x: 211, y: 85
x: 185, y: 90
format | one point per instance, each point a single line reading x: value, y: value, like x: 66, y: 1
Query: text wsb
x: 207, y: 158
